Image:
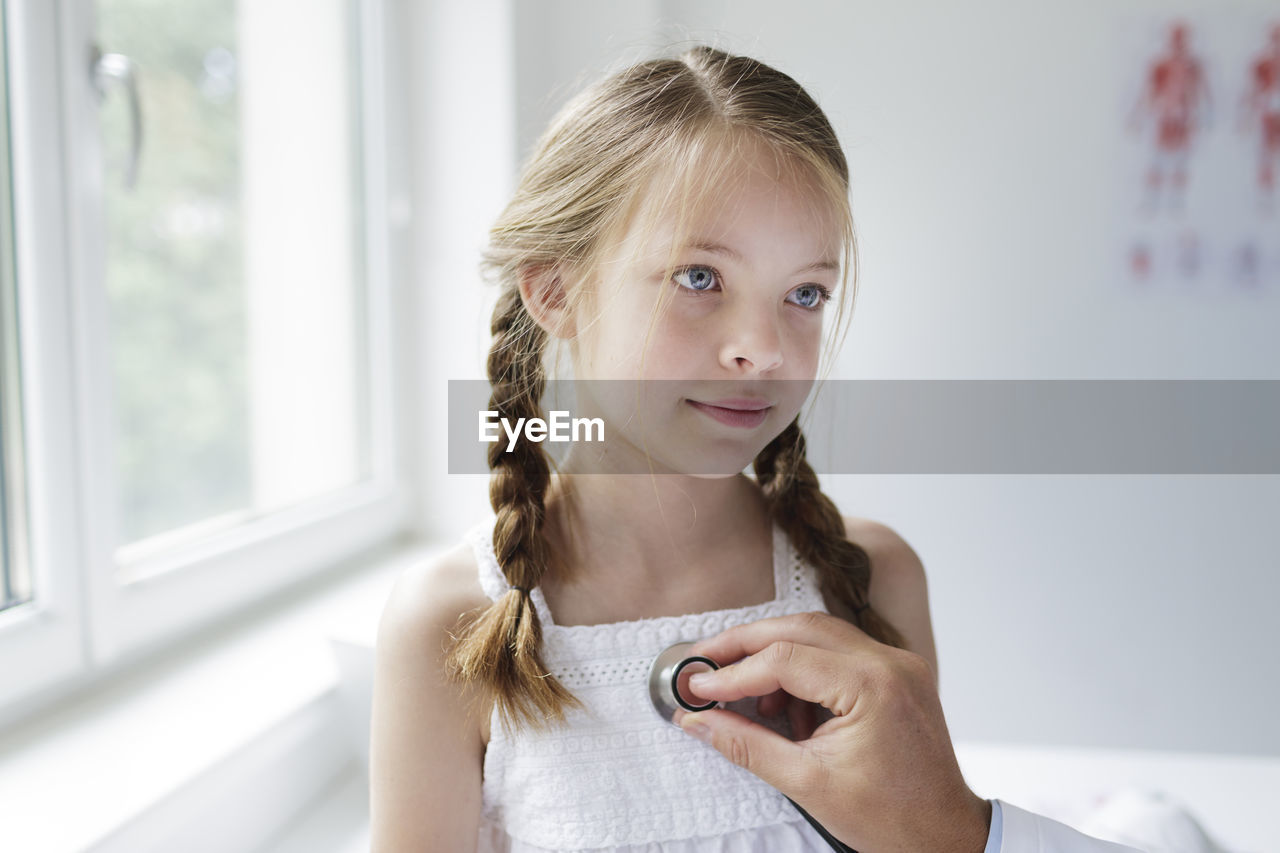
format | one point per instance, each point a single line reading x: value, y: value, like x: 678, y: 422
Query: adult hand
x: 881, y: 775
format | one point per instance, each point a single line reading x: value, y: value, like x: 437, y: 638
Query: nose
x: 751, y: 341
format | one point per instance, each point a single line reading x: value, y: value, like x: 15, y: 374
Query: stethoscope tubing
x: 836, y: 843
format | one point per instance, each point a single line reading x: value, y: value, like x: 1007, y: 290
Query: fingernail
x: 700, y: 679
x: 699, y: 731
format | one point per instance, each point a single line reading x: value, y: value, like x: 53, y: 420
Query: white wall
x: 1106, y: 611
x: 462, y: 136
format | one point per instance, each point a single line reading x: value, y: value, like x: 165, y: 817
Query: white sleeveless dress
x: 618, y: 776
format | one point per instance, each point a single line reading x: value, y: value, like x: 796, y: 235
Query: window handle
x: 111, y: 69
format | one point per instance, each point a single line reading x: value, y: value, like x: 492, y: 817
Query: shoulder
x: 433, y: 595
x: 894, y: 562
x: 428, y: 603
x: 899, y: 589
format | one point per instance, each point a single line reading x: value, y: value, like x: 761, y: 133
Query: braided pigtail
x: 815, y: 527
x: 500, y: 648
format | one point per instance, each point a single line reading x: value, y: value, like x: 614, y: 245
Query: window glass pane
x: 15, y: 569
x: 235, y: 262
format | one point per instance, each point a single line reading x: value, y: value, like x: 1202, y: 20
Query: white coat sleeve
x: 1021, y: 831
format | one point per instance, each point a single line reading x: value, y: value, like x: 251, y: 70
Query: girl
x: 680, y: 227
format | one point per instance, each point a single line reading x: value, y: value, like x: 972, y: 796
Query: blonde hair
x: 665, y: 117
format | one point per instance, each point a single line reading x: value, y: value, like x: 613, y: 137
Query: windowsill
x: 160, y: 751
x: 337, y: 823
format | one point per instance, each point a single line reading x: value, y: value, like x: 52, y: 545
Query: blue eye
x: 695, y: 278
x: 811, y: 296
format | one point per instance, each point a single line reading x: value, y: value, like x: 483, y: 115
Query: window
x: 195, y: 289
x: 233, y: 275
x: 15, y: 576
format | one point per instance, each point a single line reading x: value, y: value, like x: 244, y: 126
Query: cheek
x: 674, y: 346
x: 805, y: 342
x: 677, y: 346
x: 611, y: 343
x: 814, y: 353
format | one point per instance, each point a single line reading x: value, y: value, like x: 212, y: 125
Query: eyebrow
x: 730, y: 252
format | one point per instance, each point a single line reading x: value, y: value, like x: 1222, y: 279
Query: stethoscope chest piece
x: 669, y: 691
x: 669, y: 680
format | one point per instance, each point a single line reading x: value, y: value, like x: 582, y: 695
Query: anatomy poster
x: 1198, y: 179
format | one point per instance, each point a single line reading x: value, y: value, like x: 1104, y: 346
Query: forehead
x: 733, y: 190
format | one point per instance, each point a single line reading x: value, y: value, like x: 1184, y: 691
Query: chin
x: 707, y: 464
x: 717, y: 476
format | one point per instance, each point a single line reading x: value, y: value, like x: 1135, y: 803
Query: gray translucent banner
x: 889, y: 426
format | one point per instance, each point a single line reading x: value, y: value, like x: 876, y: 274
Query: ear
x: 544, y: 291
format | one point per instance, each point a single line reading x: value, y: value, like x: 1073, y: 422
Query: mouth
x: 736, y: 412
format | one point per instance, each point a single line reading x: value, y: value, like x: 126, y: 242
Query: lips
x: 741, y: 404
x: 737, y: 412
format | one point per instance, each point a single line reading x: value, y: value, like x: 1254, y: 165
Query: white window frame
x: 83, y: 620
x: 41, y: 643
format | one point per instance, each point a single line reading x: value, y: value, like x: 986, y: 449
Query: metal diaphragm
x: 669, y: 680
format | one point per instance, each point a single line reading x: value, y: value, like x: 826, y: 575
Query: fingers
x: 749, y: 745
x: 802, y: 715
x: 820, y: 630
x: 805, y: 672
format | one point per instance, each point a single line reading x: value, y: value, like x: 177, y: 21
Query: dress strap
x: 492, y: 580
x: 794, y: 579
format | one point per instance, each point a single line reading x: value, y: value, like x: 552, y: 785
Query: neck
x: 656, y: 543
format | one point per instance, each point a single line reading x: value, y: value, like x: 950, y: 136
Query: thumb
x: 749, y: 745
